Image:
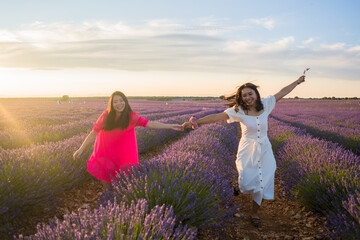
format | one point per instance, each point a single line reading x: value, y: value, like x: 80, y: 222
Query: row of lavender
x: 342, y: 113
x: 336, y: 121
x: 33, y: 176
x: 173, y: 195
x: 26, y: 113
x: 322, y: 174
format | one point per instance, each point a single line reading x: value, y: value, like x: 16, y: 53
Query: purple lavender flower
x: 113, y: 221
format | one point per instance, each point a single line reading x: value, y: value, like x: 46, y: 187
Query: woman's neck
x: 117, y: 114
x: 252, y: 108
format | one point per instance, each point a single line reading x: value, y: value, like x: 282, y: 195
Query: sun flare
x: 11, y: 122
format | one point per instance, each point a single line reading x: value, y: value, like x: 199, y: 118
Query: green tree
x: 65, y: 98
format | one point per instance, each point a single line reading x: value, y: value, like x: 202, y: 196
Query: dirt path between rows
x: 280, y: 219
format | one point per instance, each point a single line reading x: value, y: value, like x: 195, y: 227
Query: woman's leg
x: 255, y: 220
x: 255, y: 209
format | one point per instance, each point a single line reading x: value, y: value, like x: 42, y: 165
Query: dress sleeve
x: 269, y: 103
x: 233, y: 116
x: 100, y: 123
x: 136, y: 120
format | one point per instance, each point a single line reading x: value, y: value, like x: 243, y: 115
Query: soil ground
x: 281, y: 218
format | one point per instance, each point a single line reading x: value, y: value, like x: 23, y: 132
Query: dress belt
x: 255, y: 149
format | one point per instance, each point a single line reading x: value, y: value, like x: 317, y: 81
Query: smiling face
x: 118, y: 104
x: 249, y: 96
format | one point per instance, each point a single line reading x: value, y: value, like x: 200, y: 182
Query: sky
x: 178, y: 48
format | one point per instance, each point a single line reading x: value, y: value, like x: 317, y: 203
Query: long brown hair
x: 124, y: 119
x: 236, y: 99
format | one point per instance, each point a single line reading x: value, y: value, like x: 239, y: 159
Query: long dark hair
x: 124, y: 119
x: 236, y: 99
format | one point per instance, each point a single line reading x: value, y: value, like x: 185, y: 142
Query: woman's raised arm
x: 286, y: 90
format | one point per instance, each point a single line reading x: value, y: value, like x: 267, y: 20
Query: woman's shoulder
x: 134, y: 116
x: 268, y: 99
x: 269, y: 102
x: 238, y: 109
x: 234, y: 110
x: 137, y: 120
x: 104, y: 113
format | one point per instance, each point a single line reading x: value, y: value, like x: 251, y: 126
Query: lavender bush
x: 113, y: 221
x: 322, y: 175
x: 33, y: 177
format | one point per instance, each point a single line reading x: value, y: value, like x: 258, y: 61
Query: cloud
x: 249, y: 46
x: 96, y: 30
x: 267, y: 23
x: 355, y: 49
x: 308, y: 41
x: 280, y: 45
x: 204, y: 45
x: 333, y: 47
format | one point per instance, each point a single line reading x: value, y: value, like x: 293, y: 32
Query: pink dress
x: 115, y: 149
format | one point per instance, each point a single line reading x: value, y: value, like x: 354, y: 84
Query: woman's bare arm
x: 159, y: 125
x: 286, y: 90
x: 212, y: 118
x: 88, y: 140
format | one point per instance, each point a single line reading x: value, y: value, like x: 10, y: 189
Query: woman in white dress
x: 255, y: 160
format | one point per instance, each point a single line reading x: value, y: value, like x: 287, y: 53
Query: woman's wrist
x: 300, y: 80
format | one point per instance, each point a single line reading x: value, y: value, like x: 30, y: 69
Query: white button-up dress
x: 255, y: 160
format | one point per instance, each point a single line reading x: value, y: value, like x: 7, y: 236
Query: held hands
x: 191, y: 123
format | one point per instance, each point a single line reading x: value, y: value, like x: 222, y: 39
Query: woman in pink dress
x: 115, y: 145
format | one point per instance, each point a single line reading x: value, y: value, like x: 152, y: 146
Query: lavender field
x: 317, y: 145
x: 185, y: 188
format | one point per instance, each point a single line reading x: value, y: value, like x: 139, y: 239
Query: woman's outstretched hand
x: 176, y: 127
x: 186, y: 125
